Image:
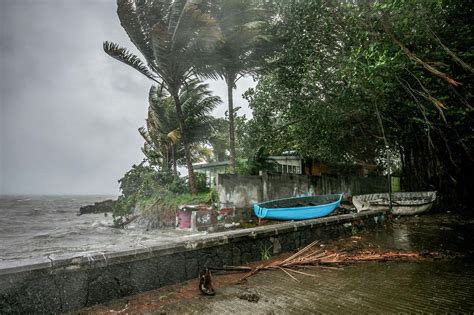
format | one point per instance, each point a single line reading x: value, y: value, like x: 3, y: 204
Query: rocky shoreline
x: 98, y: 207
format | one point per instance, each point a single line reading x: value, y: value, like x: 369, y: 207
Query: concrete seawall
x: 64, y: 285
x: 243, y: 191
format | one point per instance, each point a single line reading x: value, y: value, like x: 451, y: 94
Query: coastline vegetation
x: 144, y: 186
x: 344, y: 82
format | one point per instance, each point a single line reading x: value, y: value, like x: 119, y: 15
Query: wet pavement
x: 434, y: 285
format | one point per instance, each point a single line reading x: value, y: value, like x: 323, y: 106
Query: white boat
x: 403, y: 203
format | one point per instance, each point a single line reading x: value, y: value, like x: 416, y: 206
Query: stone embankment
x: 63, y: 285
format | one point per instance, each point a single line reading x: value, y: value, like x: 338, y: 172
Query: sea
x: 36, y: 227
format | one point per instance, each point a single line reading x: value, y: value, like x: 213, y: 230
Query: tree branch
x: 458, y: 60
x: 417, y: 60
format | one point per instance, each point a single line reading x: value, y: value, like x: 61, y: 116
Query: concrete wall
x: 239, y: 190
x: 242, y: 191
x: 69, y: 284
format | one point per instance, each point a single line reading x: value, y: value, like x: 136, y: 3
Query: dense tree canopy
x: 340, y: 64
x: 344, y: 81
x: 163, y: 144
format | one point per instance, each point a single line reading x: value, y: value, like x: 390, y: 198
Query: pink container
x: 184, y: 219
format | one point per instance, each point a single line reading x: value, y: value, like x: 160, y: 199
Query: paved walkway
x: 433, y: 286
x: 363, y: 288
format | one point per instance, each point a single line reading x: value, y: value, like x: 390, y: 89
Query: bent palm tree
x: 162, y: 136
x: 170, y: 35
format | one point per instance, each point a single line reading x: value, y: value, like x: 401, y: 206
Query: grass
x: 174, y: 200
x: 354, y: 230
x: 265, y: 253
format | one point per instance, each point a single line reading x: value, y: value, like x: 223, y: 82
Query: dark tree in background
x: 339, y: 63
x: 238, y: 53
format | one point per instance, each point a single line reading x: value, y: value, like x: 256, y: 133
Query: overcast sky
x: 69, y: 113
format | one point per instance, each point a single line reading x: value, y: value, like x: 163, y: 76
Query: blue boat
x: 298, y: 208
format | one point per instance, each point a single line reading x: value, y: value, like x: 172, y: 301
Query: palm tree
x: 171, y: 35
x: 162, y: 136
x: 161, y: 133
x: 237, y: 54
x: 219, y: 139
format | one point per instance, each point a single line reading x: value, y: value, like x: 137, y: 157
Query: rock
x: 251, y: 297
x: 98, y: 207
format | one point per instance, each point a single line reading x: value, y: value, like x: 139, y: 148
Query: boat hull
x: 403, y: 203
x: 282, y: 209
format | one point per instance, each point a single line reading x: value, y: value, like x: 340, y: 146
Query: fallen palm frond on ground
x: 312, y: 256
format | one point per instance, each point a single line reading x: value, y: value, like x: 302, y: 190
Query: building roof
x: 285, y: 157
x: 211, y: 165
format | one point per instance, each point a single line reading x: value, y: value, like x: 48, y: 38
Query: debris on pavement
x: 250, y: 297
x: 313, y: 256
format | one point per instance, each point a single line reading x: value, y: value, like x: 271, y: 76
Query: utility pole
x: 387, y: 148
x: 389, y: 175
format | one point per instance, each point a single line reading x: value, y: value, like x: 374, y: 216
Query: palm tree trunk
x: 167, y: 162
x: 173, y: 156
x: 230, y: 87
x: 187, y: 151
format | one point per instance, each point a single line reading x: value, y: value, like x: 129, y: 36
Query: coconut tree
x: 171, y: 36
x: 219, y: 139
x: 163, y: 141
x: 160, y: 133
x: 239, y: 51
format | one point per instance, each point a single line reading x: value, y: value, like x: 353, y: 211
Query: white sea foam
x: 48, y: 226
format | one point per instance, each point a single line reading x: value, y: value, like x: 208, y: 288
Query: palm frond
x: 174, y: 136
x: 145, y: 135
x: 197, y: 100
x: 156, y: 95
x: 129, y: 19
x: 252, y: 25
x: 123, y: 55
x: 242, y: 26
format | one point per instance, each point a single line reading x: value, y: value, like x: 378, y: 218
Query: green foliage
x: 219, y: 139
x: 265, y: 253
x: 163, y: 144
x: 258, y: 162
x: 242, y: 167
x: 143, y: 186
x: 213, y: 195
x: 138, y: 186
x: 238, y: 52
x: 339, y: 64
x: 344, y: 80
x: 172, y: 36
x: 174, y: 200
x: 201, y: 183
x: 354, y: 230
x: 244, y: 138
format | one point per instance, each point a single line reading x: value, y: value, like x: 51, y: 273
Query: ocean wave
x: 21, y: 200
x: 36, y: 227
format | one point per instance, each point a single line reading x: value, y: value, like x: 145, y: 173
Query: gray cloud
x: 69, y: 113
